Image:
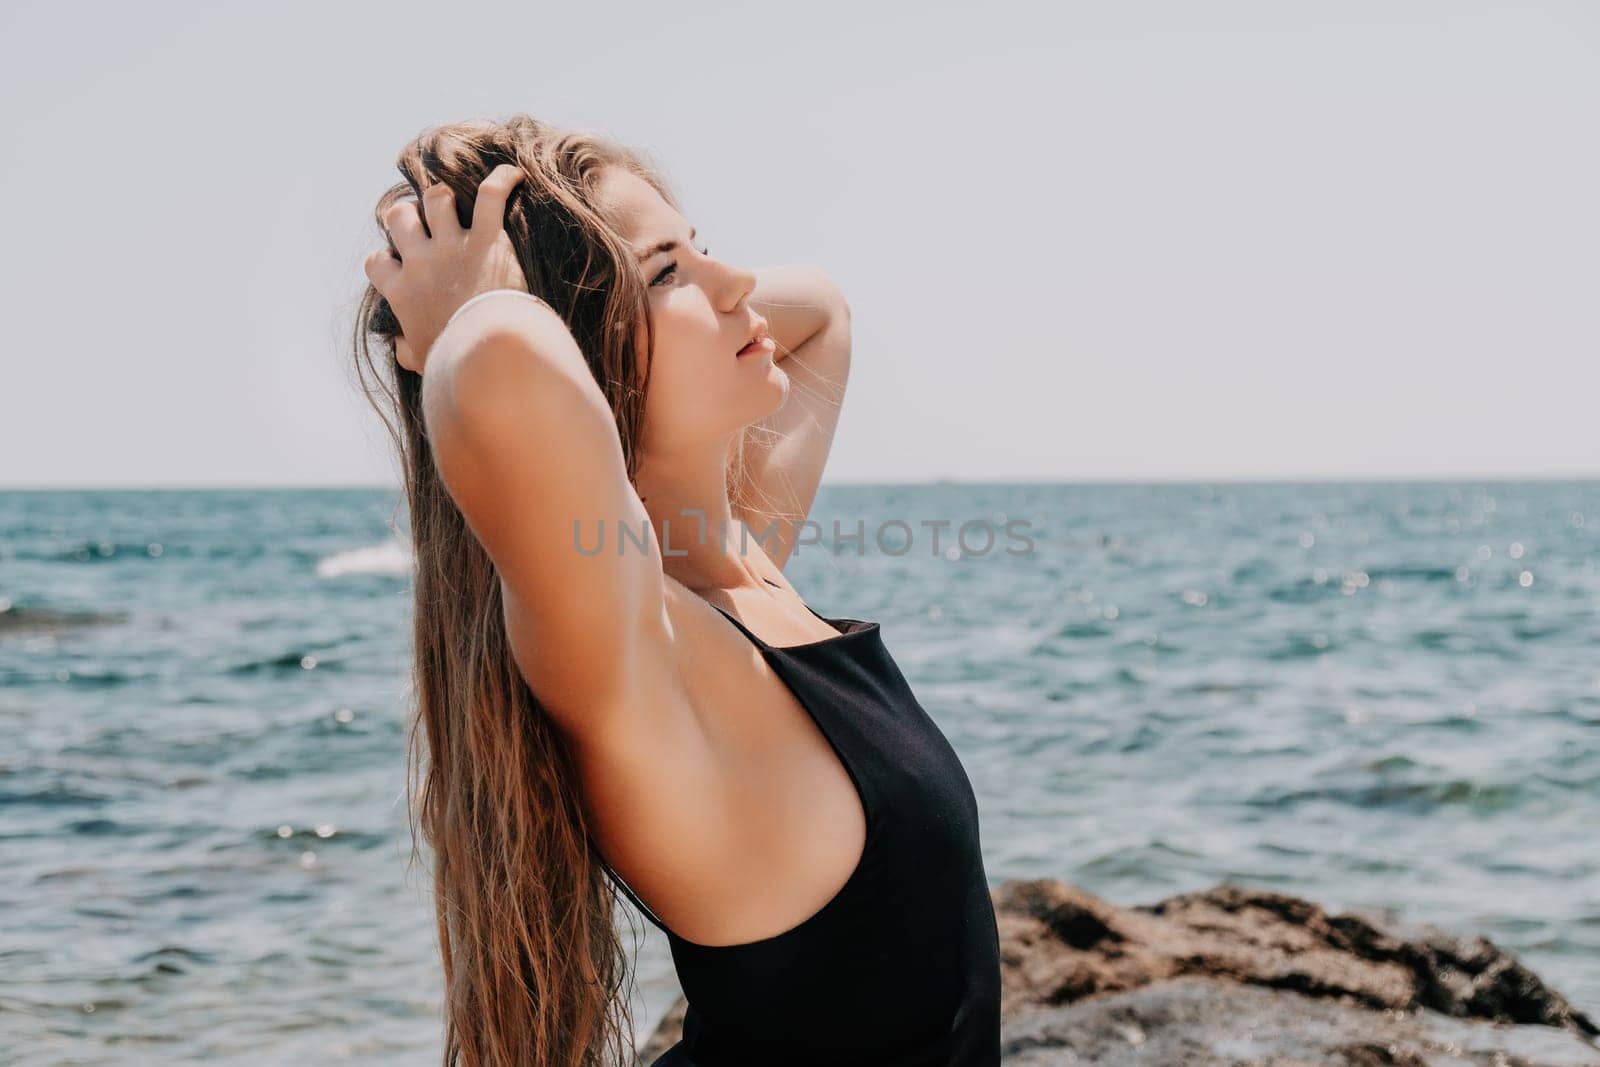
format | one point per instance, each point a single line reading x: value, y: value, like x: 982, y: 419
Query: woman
x: 613, y: 677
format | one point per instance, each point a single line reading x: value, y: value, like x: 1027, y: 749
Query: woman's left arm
x: 784, y: 454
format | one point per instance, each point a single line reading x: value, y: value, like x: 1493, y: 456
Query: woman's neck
x: 702, y: 545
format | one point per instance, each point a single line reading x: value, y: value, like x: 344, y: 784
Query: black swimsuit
x: 902, y: 967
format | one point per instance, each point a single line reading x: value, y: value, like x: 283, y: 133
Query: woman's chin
x: 777, y: 381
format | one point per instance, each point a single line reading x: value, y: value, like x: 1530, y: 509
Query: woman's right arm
x: 527, y: 446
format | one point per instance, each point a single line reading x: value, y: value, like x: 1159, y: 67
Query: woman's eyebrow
x: 665, y: 246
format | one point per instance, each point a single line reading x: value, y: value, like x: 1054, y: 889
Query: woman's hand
x: 434, y: 276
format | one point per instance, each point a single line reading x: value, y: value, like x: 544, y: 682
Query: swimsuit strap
x: 617, y: 881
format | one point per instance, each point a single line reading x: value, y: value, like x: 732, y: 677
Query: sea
x: 1382, y: 696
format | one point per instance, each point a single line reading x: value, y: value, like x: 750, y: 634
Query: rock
x: 1245, y: 977
x: 1060, y: 944
x: 18, y: 619
x: 1237, y: 976
x: 668, y: 1032
x: 1212, y: 1022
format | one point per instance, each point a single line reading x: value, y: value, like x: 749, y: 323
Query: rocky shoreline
x: 1239, y: 977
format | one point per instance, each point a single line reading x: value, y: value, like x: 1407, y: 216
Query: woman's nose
x: 737, y: 283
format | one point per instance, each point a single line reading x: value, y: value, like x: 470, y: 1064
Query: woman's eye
x: 672, y: 268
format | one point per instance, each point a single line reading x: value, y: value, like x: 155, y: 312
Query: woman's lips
x: 755, y: 347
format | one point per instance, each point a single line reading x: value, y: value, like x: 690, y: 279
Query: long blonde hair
x: 533, y: 964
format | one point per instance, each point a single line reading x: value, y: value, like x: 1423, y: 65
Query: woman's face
x: 701, y: 390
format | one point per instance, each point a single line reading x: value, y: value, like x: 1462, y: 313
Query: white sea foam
x: 386, y: 557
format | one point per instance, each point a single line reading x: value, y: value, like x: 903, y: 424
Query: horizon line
x: 1232, y: 479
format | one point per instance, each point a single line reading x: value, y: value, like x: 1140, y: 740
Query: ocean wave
x: 385, y: 557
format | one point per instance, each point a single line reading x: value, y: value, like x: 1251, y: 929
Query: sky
x: 1110, y: 241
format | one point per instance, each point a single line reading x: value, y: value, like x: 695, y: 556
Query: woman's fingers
x: 405, y: 226
x: 489, y: 211
x: 425, y: 274
x: 382, y: 269
x: 404, y: 356
x: 439, y: 206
